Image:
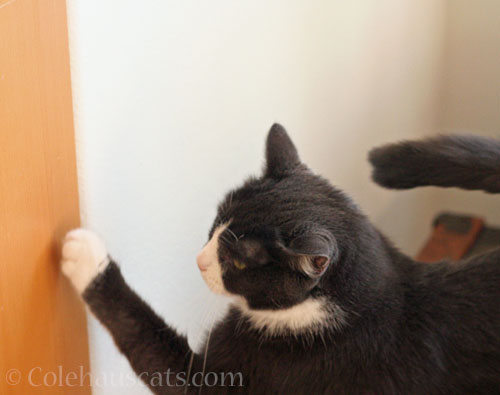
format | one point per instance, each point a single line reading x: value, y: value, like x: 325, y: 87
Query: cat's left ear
x: 313, y: 252
x: 281, y: 155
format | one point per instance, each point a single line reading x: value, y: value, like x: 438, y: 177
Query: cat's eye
x: 239, y: 265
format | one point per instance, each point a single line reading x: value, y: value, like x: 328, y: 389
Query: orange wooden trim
x: 42, y: 321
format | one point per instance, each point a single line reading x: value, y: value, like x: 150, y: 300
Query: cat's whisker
x: 205, y: 322
x: 191, y: 359
x: 205, y: 356
x: 224, y: 239
x: 232, y: 234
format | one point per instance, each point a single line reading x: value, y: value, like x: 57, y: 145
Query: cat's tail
x: 467, y: 162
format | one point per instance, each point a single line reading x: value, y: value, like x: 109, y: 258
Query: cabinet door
x: 43, y: 337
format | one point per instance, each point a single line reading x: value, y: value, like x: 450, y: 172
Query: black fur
x: 410, y: 328
x: 468, y: 162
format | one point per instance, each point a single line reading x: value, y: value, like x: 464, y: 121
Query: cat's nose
x: 202, y: 262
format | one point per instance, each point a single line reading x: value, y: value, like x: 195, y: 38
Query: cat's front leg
x: 155, y: 351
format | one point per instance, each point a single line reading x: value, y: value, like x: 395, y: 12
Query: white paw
x: 84, y: 256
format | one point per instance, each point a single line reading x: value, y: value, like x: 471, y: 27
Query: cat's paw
x: 84, y: 256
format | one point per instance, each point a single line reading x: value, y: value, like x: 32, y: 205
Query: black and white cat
x: 323, y: 303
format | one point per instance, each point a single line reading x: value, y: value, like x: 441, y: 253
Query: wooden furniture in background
x: 42, y: 322
x: 457, y: 236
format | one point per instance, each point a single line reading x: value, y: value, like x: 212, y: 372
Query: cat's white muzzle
x: 209, y: 265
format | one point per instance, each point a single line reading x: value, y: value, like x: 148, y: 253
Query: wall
x: 470, y: 100
x: 172, y: 104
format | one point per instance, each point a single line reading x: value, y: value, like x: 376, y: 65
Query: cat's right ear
x: 281, y: 155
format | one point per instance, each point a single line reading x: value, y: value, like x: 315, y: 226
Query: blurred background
x: 173, y: 100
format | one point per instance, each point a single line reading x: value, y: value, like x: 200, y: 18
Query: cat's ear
x: 312, y: 252
x: 281, y: 155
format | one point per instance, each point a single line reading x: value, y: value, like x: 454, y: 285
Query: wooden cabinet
x: 42, y: 323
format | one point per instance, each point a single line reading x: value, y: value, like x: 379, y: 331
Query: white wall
x: 173, y: 101
x: 470, y: 100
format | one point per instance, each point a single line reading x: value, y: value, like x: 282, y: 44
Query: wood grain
x: 42, y: 322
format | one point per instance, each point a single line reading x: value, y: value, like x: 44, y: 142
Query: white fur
x: 84, y: 256
x: 209, y: 260
x: 310, y: 316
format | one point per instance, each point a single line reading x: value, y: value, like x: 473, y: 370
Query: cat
x: 322, y: 301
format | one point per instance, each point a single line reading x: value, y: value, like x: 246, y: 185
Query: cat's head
x: 278, y: 236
